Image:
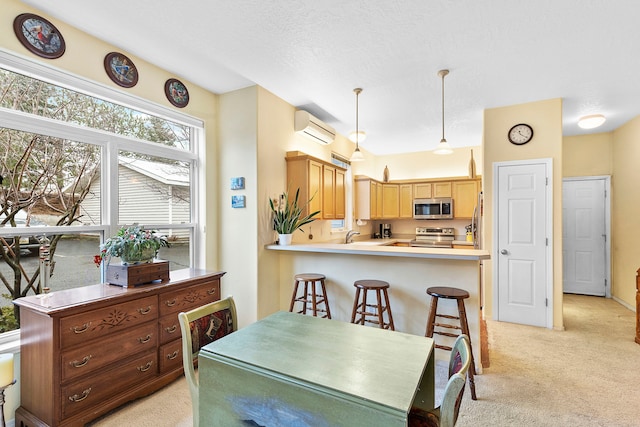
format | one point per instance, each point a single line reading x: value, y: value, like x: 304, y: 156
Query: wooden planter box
x: 138, y: 274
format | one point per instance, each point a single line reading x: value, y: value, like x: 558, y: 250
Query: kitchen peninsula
x: 409, y: 271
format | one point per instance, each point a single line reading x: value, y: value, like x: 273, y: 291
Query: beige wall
x: 626, y: 210
x: 545, y: 117
x: 587, y: 155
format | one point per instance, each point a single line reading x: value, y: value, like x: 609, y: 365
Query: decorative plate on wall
x: 176, y: 93
x: 121, y: 69
x: 39, y: 35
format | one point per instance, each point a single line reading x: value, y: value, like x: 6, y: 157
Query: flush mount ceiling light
x: 591, y: 121
x: 357, y: 155
x: 443, y: 146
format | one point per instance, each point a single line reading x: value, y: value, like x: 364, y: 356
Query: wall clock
x: 520, y: 134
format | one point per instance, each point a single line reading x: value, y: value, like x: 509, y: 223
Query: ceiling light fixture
x: 591, y: 121
x: 362, y: 135
x: 443, y: 147
x: 357, y: 155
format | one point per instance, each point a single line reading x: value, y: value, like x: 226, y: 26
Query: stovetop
x: 434, y: 237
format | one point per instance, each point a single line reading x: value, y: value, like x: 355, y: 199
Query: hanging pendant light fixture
x: 357, y: 155
x: 443, y: 146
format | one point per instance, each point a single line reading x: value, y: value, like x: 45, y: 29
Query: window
x: 339, y: 225
x: 79, y: 161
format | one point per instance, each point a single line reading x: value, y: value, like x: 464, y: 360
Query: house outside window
x: 78, y: 163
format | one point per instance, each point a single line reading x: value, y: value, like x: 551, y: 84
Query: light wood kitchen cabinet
x: 85, y: 353
x: 323, y: 181
x: 368, y: 198
x: 406, y: 200
x: 465, y: 197
x: 422, y: 190
x: 390, y: 201
x: 441, y: 189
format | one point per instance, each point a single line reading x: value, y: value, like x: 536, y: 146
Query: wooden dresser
x: 88, y: 350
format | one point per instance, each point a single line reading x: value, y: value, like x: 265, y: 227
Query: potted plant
x: 133, y: 245
x: 288, y: 216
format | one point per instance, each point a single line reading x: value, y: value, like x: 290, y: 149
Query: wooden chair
x: 199, y: 327
x: 446, y: 414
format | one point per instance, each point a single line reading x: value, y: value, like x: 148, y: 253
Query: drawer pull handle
x: 80, y: 364
x: 145, y: 339
x: 80, y: 398
x: 212, y: 291
x: 172, y: 355
x: 171, y: 329
x: 146, y: 367
x: 83, y: 328
x: 170, y: 303
x: 144, y: 311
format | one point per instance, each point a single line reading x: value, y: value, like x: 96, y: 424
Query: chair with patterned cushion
x: 200, y: 327
x: 446, y: 414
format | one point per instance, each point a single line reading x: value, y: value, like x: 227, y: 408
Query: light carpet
x: 587, y: 375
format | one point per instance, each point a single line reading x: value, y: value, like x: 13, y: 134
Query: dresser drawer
x: 169, y: 328
x: 171, y: 356
x: 86, y: 359
x: 83, y: 327
x: 92, y: 391
x: 188, y: 298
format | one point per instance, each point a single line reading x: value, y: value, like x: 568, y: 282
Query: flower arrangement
x: 288, y: 215
x: 132, y: 245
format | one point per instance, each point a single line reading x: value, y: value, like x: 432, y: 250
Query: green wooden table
x: 293, y: 370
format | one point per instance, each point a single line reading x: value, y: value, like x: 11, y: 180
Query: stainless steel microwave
x: 441, y: 208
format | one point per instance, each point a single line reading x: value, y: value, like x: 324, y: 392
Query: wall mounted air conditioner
x: 314, y: 128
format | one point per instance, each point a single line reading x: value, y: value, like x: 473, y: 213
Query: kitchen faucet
x: 349, y: 237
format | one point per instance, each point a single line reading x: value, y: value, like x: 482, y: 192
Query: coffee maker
x: 385, y: 231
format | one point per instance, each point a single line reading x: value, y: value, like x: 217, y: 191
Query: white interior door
x: 584, y: 236
x: 523, y: 235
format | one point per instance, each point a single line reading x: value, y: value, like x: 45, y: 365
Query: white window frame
x: 111, y: 144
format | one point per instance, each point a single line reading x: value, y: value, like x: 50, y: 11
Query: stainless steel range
x: 433, y: 237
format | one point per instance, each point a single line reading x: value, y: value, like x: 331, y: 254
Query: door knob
x: 504, y: 252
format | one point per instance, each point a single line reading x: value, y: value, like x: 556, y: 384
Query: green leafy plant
x: 288, y: 215
x: 131, y: 243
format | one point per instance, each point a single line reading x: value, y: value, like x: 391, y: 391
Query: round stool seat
x: 309, y: 276
x: 371, y: 284
x: 447, y: 292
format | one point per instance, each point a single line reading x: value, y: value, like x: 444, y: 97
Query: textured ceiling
x: 313, y: 53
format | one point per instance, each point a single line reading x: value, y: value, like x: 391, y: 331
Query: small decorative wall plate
x: 39, y: 35
x: 121, y: 69
x: 176, y: 93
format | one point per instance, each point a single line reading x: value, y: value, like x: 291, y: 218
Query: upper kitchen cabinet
x: 441, y: 189
x: 390, y: 201
x: 422, y: 190
x: 323, y: 181
x: 368, y: 198
x: 406, y: 200
x: 465, y: 197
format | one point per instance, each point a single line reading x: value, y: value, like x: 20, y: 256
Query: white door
x: 584, y: 236
x: 523, y: 227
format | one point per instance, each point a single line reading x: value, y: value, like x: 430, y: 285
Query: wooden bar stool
x: 313, y: 298
x: 459, y: 295
x: 379, y: 308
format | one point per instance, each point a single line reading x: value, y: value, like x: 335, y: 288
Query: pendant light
x: 357, y: 155
x: 443, y: 147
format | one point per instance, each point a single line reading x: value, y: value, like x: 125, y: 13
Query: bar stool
x: 312, y: 295
x: 379, y: 308
x: 459, y: 295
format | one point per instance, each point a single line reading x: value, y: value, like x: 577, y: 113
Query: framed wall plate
x: 121, y: 69
x: 176, y: 93
x: 39, y: 35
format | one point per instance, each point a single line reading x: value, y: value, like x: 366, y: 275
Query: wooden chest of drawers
x: 87, y: 351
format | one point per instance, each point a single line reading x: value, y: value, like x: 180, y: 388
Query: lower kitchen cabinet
x: 87, y: 351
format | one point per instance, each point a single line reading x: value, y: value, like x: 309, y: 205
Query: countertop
x: 381, y: 247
